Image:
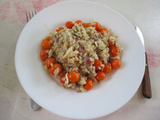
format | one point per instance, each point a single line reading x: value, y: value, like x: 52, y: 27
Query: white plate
x: 103, y: 99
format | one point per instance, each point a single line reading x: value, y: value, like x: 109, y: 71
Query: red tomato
x: 89, y: 84
x: 69, y: 24
x: 59, y: 29
x: 116, y: 63
x: 97, y: 26
x: 46, y: 44
x: 49, y: 61
x: 78, y: 21
x: 62, y: 79
x: 114, y: 51
x: 73, y: 76
x: 107, y: 68
x: 104, y: 30
x: 100, y: 75
x: 85, y: 25
x: 43, y: 55
x: 111, y: 44
x: 97, y: 64
x: 56, y: 69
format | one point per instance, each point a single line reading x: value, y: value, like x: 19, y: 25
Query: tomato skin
x: 100, y: 75
x: 89, y: 84
x: 104, y: 30
x: 116, y: 63
x: 43, y: 55
x: 107, y: 68
x: 69, y: 24
x: 97, y: 26
x: 49, y: 61
x: 59, y: 29
x: 54, y: 68
x: 78, y: 21
x: 97, y: 64
x: 62, y: 79
x: 73, y: 76
x: 114, y: 51
x: 46, y: 44
x: 85, y: 25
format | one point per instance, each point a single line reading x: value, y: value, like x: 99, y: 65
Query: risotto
x: 81, y: 54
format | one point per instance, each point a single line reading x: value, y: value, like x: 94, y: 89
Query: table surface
x: 13, y: 98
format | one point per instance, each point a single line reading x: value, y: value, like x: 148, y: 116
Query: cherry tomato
x: 59, y: 29
x: 97, y: 26
x: 85, y: 25
x: 43, y: 55
x: 46, y: 44
x: 49, y: 61
x: 89, y: 84
x: 78, y: 21
x: 73, y: 76
x: 56, y: 69
x: 104, y: 30
x: 107, y: 68
x: 111, y: 44
x: 62, y: 79
x: 100, y: 75
x: 114, y: 51
x: 69, y: 24
x: 97, y: 64
x: 116, y: 63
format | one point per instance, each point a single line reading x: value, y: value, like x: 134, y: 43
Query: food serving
x: 81, y: 54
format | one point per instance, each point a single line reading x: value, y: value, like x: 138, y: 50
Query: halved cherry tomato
x: 69, y: 24
x: 73, y: 76
x: 49, y: 61
x: 89, y: 84
x: 97, y: 64
x: 107, y: 68
x: 59, y: 29
x: 97, y: 26
x: 78, y: 21
x: 100, y: 75
x: 56, y: 69
x: 43, y: 55
x: 85, y: 25
x: 62, y: 79
x: 116, y: 63
x: 114, y: 51
x: 104, y: 30
x: 46, y: 44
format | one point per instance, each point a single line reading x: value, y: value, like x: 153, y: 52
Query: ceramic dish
x: 103, y: 99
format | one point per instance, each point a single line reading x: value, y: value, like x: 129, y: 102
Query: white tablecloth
x: 14, y: 100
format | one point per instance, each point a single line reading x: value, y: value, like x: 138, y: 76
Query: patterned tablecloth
x: 14, y: 100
